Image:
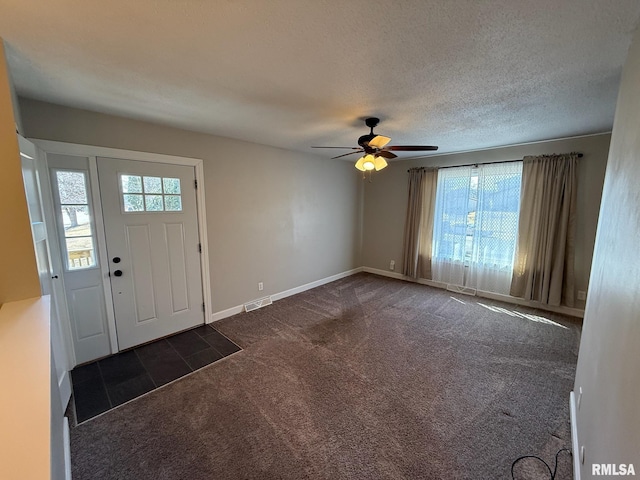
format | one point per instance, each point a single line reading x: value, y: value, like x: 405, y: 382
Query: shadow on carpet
x: 363, y: 378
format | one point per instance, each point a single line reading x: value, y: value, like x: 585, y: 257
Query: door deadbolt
x: 116, y: 260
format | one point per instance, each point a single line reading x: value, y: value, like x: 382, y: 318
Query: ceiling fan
x: 375, y: 149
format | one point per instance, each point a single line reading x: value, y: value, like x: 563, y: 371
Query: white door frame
x: 61, y: 337
x: 92, y: 152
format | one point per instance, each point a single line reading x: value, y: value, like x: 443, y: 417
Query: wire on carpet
x: 555, y: 467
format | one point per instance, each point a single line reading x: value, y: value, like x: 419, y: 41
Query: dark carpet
x: 363, y: 378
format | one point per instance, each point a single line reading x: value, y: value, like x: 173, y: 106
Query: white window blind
x: 476, y: 225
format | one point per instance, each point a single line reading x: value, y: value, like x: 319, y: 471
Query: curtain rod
x: 580, y: 155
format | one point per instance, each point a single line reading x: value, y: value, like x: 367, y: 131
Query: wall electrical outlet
x: 260, y: 286
x: 582, y: 295
x: 392, y: 265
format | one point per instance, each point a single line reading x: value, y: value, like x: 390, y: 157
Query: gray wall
x: 385, y: 202
x: 608, y: 419
x: 273, y: 216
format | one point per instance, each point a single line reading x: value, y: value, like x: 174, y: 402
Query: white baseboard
x: 307, y: 286
x: 399, y: 276
x: 229, y: 312
x: 317, y: 283
x: 64, y: 386
x: 384, y: 273
x: 67, y: 448
x: 574, y: 312
x: 287, y: 293
x: 575, y: 446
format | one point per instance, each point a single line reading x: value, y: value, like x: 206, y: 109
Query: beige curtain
x: 418, y: 231
x: 543, y: 269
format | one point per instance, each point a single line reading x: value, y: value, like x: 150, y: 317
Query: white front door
x: 151, y: 228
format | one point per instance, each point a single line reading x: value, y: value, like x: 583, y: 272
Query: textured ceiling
x: 294, y: 73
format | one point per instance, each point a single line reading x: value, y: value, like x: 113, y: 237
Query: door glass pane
x: 151, y: 194
x: 76, y: 220
x: 133, y: 203
x: 171, y: 186
x: 152, y: 185
x: 131, y: 184
x: 153, y: 203
x: 75, y: 213
x: 80, y: 252
x: 71, y: 187
x: 173, y: 203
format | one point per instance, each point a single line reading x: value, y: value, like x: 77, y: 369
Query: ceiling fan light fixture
x: 369, y: 162
x: 366, y: 163
x: 375, y: 151
x: 380, y: 163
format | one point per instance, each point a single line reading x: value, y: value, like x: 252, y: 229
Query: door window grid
x: 150, y: 194
x: 75, y: 212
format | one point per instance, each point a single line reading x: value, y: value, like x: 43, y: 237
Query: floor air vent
x: 256, y: 304
x: 461, y: 289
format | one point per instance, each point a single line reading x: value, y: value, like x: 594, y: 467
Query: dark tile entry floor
x: 112, y: 381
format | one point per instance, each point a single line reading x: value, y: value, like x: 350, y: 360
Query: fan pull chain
x: 364, y: 175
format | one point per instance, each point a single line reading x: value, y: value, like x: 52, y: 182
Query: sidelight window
x: 75, y: 212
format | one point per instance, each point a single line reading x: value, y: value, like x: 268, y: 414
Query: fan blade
x: 386, y: 154
x: 343, y: 148
x: 379, y: 141
x: 411, y: 148
x: 350, y: 153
